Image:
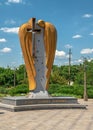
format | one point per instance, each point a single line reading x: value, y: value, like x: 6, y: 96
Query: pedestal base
x: 25, y: 103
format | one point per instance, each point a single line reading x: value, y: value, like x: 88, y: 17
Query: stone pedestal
x: 25, y: 103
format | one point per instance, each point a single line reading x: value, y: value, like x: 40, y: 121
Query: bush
x: 20, y: 89
x: 77, y: 91
x: 54, y: 90
x: 3, y: 90
x: 90, y: 91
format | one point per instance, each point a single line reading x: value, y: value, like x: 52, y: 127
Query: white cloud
x: 11, y: 21
x: 87, y: 15
x: 2, y: 40
x: 91, y: 34
x: 67, y: 56
x: 86, y: 51
x: 68, y: 46
x: 77, y: 36
x: 80, y: 60
x: 60, y: 53
x: 9, y: 2
x: 14, y: 1
x: 10, y: 30
x: 6, y: 50
x: 89, y: 60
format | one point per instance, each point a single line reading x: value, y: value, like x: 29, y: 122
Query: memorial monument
x: 38, y: 43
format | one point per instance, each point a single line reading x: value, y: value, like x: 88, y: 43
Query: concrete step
x: 31, y: 101
x: 41, y: 107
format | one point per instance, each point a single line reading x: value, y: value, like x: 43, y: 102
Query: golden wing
x: 26, y: 45
x: 50, y: 45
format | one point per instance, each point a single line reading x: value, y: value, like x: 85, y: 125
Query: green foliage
x: 58, y: 80
x: 76, y: 90
x: 21, y: 75
x: 8, y: 76
x: 3, y: 90
x: 56, y: 76
x: 20, y: 89
x: 59, y: 75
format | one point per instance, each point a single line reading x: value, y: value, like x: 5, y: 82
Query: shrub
x: 77, y: 90
x: 3, y: 90
x: 20, y: 89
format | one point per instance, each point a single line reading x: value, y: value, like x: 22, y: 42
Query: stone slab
x: 30, y: 101
x: 40, y: 107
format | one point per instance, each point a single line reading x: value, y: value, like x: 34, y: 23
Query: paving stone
x: 56, y: 119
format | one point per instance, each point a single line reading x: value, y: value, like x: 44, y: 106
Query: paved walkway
x: 61, y: 119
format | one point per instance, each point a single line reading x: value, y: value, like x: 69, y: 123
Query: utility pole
x: 85, y: 82
x: 14, y: 77
x: 69, y: 68
x: 24, y: 68
x: 24, y: 73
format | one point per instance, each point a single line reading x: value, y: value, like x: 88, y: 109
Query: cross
x: 33, y: 30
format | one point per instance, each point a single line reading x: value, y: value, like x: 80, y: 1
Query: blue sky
x: 73, y: 20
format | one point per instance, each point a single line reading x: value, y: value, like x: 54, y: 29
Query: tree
x: 21, y: 74
x: 6, y: 77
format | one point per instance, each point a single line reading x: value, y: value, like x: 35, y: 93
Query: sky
x: 73, y: 20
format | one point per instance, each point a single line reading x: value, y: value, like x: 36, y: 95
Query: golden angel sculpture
x: 38, y: 43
